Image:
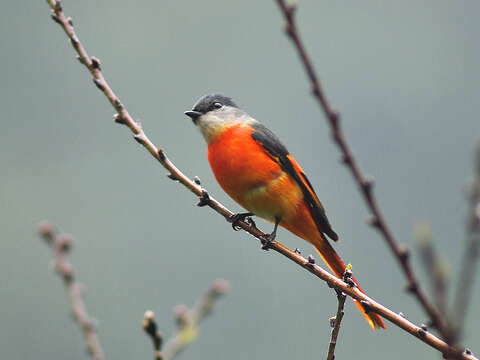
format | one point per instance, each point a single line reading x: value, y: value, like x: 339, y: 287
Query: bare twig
x: 365, y: 183
x: 470, y: 259
x: 188, y: 320
x: 151, y: 328
x: 187, y: 323
x: 335, y: 323
x: 123, y: 117
x: 60, y: 245
x: 435, y: 268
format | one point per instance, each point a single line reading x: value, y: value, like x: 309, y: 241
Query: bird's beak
x: 194, y: 115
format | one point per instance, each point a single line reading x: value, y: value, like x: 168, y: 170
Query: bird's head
x: 213, y: 114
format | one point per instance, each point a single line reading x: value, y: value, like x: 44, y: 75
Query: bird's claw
x: 266, y: 241
x: 235, y: 218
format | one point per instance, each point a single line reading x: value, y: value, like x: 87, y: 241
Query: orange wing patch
x: 318, y: 214
x: 305, y: 181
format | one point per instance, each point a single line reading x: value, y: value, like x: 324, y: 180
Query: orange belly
x: 251, y: 177
x: 257, y: 182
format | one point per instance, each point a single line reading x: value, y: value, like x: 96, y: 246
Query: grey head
x: 207, y: 103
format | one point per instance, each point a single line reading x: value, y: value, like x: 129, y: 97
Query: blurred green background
x: 404, y: 75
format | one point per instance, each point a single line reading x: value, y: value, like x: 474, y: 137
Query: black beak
x: 194, y: 115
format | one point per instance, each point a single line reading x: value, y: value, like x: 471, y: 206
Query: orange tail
x: 335, y: 264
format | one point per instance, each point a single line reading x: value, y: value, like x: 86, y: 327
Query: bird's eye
x: 217, y: 105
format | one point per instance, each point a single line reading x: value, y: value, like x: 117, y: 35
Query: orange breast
x: 251, y: 177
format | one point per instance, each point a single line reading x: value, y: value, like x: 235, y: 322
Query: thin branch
x: 187, y: 323
x: 364, y: 183
x: 435, y: 268
x: 124, y: 117
x: 151, y: 328
x: 335, y: 323
x: 472, y: 249
x: 60, y: 245
x: 188, y: 320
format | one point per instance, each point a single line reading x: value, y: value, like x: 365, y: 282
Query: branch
x: 470, y: 259
x: 337, y: 319
x: 435, y: 268
x: 187, y: 323
x: 123, y: 117
x: 60, y: 245
x: 150, y: 326
x: 364, y: 183
x: 335, y: 324
x: 188, y: 320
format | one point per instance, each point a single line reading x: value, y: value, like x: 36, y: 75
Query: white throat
x: 214, y: 123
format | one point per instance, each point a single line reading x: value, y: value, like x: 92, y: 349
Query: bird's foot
x: 235, y: 218
x: 267, y: 240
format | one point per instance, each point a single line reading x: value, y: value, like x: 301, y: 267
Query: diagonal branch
x: 472, y: 248
x: 364, y: 183
x: 434, y: 267
x: 187, y: 323
x: 123, y: 117
x: 188, y: 320
x: 60, y: 245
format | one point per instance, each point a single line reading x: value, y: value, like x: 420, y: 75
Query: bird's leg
x: 268, y: 238
x: 235, y: 218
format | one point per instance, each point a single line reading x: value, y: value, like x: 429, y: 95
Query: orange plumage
x: 255, y: 179
x: 257, y: 171
x: 248, y: 174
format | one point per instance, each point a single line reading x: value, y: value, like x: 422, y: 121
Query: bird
x: 255, y: 169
